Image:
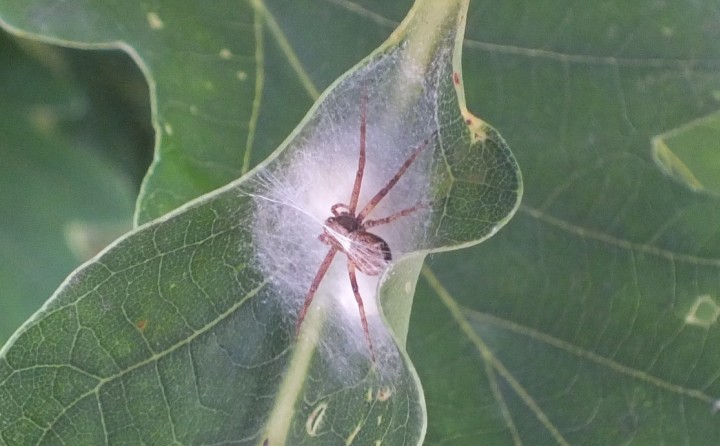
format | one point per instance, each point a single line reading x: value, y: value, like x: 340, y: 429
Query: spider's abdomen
x: 370, y: 253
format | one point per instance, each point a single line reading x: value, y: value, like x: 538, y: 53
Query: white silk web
x: 293, y: 195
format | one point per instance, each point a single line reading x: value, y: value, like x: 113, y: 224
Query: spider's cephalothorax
x: 346, y: 231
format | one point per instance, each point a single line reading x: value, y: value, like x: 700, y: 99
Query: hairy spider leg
x: 384, y: 191
x: 361, y: 159
x: 390, y: 218
x: 361, y: 307
x: 314, y: 286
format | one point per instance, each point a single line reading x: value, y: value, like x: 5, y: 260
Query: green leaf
x: 60, y: 203
x: 203, y: 65
x: 592, y: 317
x: 184, y: 330
x: 577, y: 90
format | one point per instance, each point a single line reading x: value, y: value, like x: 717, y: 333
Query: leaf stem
x: 278, y: 424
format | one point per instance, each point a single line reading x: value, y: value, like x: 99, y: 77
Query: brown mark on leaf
x: 384, y: 393
x: 477, y: 126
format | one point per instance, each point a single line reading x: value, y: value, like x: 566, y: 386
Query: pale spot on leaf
x: 85, y: 239
x: 154, y: 21
x: 407, y: 287
x: 44, y: 118
x: 241, y: 75
x: 704, y: 312
x: 353, y: 434
x: 225, y: 53
x: 315, y: 419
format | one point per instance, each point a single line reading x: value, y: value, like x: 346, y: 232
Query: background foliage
x: 590, y: 319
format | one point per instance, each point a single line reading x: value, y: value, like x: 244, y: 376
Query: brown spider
x: 347, y: 231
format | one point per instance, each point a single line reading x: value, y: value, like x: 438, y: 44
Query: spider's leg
x: 381, y: 194
x: 314, y: 286
x: 358, y: 298
x: 361, y: 158
x: 390, y: 218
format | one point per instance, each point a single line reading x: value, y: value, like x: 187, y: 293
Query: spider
x: 346, y: 231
